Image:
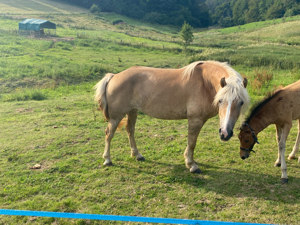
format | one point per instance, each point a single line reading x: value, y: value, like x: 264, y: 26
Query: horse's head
x: 248, y: 138
x: 231, y: 99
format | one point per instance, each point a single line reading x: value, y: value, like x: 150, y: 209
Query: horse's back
x: 160, y: 93
x: 287, y: 102
x: 290, y: 97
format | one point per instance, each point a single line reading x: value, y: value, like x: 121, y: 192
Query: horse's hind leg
x: 278, y: 135
x: 296, y: 146
x: 194, y: 127
x: 109, y: 134
x: 130, y: 128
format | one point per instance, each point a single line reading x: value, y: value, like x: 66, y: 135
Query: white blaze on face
x: 224, y: 130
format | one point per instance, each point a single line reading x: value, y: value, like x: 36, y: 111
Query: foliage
x: 173, y: 12
x: 95, y: 8
x: 237, y: 12
x: 186, y: 35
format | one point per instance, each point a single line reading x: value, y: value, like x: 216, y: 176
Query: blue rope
x: 115, y: 218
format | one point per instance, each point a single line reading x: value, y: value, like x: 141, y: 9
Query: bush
x: 117, y: 21
x: 262, y: 80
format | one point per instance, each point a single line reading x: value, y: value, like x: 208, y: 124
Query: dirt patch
x: 24, y: 110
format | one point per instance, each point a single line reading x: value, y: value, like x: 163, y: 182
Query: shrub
x: 117, y: 21
x: 262, y: 79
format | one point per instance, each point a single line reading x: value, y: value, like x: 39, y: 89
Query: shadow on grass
x: 231, y: 182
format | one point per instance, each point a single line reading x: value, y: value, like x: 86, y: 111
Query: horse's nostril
x: 243, y: 157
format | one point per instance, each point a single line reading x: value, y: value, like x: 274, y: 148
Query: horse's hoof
x: 197, y: 171
x: 284, y: 180
x: 291, y: 157
x: 108, y: 164
x: 141, y: 159
x: 277, y: 165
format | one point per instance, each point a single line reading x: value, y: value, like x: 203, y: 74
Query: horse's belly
x: 165, y: 113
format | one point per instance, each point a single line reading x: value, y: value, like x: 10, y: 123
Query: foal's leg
x: 281, y: 147
x: 130, y: 128
x: 109, y: 134
x: 194, y: 127
x: 296, y: 146
x: 278, y: 136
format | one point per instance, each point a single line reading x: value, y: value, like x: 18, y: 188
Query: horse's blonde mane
x: 234, y: 88
x: 189, y: 69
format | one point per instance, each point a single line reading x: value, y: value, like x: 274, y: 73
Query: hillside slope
x: 38, y: 6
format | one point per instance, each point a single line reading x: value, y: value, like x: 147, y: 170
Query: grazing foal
x: 280, y: 109
x: 196, y: 92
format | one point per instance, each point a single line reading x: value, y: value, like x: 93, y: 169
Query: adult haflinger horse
x: 280, y: 109
x: 196, y: 92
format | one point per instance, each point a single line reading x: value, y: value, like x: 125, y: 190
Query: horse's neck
x: 263, y: 119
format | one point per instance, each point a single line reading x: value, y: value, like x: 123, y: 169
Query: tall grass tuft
x: 262, y: 80
x: 36, y: 95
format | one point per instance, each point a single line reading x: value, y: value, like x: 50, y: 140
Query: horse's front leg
x: 194, y: 127
x: 281, y: 149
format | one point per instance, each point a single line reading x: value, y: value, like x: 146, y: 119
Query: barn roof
x: 36, y: 24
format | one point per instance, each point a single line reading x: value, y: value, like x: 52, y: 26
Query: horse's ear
x: 242, y: 126
x: 223, y: 82
x: 245, y: 82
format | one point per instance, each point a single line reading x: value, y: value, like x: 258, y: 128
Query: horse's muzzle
x: 245, y: 156
x: 222, y: 136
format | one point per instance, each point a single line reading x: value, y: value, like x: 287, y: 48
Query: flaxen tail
x: 100, y: 95
x: 100, y: 98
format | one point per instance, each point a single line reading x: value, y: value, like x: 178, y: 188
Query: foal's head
x: 248, y: 139
x: 231, y: 99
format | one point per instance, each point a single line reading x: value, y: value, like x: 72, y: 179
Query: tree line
x: 197, y: 13
x: 173, y: 12
x: 227, y: 13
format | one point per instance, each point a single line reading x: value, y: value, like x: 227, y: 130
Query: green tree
x: 253, y: 14
x: 94, y: 8
x: 239, y: 10
x: 187, y: 36
x: 275, y: 11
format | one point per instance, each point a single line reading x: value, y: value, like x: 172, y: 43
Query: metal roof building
x: 36, y: 24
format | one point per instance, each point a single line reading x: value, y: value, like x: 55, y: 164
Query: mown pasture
x: 48, y: 117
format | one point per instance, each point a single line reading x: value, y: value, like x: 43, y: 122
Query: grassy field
x: 48, y: 117
x: 37, y: 7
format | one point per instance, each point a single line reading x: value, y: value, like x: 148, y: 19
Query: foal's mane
x: 256, y: 107
x: 234, y: 88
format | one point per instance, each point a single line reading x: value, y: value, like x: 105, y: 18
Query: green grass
x: 48, y: 117
x: 72, y: 178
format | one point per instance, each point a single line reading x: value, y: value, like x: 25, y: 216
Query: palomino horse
x: 196, y: 92
x: 280, y: 109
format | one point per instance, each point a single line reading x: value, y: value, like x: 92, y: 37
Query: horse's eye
x: 220, y: 101
x: 246, y: 141
x: 242, y: 103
